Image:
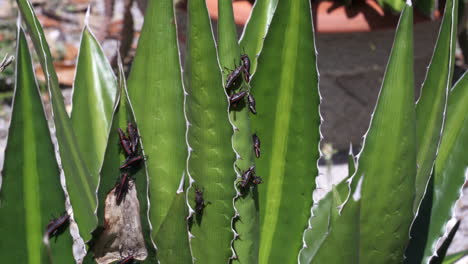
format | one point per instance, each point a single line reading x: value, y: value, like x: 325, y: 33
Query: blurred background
x: 353, y: 40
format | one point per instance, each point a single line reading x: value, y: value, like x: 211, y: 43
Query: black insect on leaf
x: 57, y: 226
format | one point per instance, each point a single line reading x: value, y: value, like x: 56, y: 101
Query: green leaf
x: 450, y: 166
x: 388, y: 159
x: 430, y: 111
x: 328, y: 225
x: 211, y: 157
x: 155, y: 86
x: 229, y: 52
x: 31, y: 191
x: 94, y: 94
x: 453, y: 258
x: 178, y: 255
x: 320, y: 236
x: 141, y: 183
x: 449, y: 175
x: 107, y: 243
x: 81, y: 182
x: 340, y: 244
x: 286, y: 91
x: 256, y: 29
x: 247, y: 222
x: 318, y: 230
x: 431, y: 105
x: 393, y: 5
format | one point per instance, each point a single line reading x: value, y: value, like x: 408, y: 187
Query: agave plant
x: 195, y: 195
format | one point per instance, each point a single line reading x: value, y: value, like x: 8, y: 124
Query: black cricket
x: 244, y: 68
x: 235, y: 98
x: 256, y: 145
x: 131, y: 162
x: 130, y: 146
x: 252, y: 103
x: 125, y: 142
x: 233, y: 76
x: 133, y: 136
x: 199, y: 201
x: 249, y: 177
x: 246, y: 63
x: 57, y: 226
x: 121, y: 188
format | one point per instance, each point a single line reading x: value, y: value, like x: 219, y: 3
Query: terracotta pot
x: 330, y: 17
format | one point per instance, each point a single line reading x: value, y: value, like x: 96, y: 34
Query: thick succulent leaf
x: 30, y: 191
x: 453, y: 258
x: 110, y: 174
x: 328, y: 224
x: 448, y: 177
x: 286, y: 91
x: 211, y: 157
x: 344, y: 223
x: 179, y: 254
x: 322, y: 224
x: 246, y: 222
x: 388, y: 158
x: 81, y: 182
x: 229, y: 52
x: 155, y: 86
x: 124, y: 115
x: 449, y: 170
x: 94, y: 94
x: 318, y: 230
x: 430, y: 109
x: 393, y: 5
x: 257, y: 28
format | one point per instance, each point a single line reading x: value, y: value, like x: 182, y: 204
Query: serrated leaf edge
x: 446, y: 227
x: 79, y: 248
x: 314, y: 203
x: 447, y: 90
x: 129, y: 102
x: 257, y: 54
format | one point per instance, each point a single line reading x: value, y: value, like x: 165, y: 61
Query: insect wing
x: 237, y: 97
x: 232, y: 77
x: 124, y: 142
x: 256, y: 145
x: 133, y: 136
x: 58, y: 225
x: 199, y: 201
x: 122, y: 189
x: 131, y: 161
x: 252, y: 104
x: 246, y: 63
x: 257, y: 180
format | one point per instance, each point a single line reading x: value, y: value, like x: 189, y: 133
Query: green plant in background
x: 189, y: 200
x: 426, y: 7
